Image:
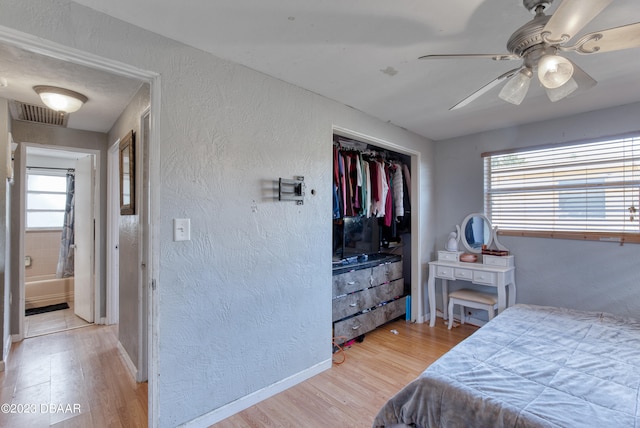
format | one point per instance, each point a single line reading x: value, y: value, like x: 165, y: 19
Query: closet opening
x: 372, y: 237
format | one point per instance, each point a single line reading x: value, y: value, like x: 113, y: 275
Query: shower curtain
x: 65, y: 258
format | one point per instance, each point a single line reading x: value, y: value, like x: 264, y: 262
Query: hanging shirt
x: 366, y: 190
x: 398, y: 192
x: 375, y: 189
x: 383, y: 187
x: 388, y: 205
x: 343, y: 183
x: 407, y: 178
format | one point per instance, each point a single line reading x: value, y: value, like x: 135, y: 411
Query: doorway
x: 147, y: 237
x: 58, y: 195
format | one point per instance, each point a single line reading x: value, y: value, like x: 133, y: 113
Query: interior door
x: 84, y: 286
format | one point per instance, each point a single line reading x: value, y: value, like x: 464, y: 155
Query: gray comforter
x: 530, y: 366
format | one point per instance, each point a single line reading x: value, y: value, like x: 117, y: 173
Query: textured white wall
x: 247, y: 302
x: 576, y: 274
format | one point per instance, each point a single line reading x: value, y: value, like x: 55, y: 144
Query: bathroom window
x: 46, y: 199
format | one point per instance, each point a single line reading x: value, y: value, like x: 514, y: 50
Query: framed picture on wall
x: 127, y: 174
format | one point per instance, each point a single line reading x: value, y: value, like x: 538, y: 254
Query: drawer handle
x: 443, y: 273
x: 353, y: 305
x: 351, y: 282
x: 355, y: 327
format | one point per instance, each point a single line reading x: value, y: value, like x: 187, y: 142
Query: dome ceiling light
x: 60, y: 99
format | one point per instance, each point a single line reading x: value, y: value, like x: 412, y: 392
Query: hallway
x: 74, y: 378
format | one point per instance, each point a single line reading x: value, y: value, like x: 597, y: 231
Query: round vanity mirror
x: 476, y: 231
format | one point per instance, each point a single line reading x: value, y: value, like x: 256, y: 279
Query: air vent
x: 37, y: 114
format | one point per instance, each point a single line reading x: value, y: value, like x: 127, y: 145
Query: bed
x: 531, y: 366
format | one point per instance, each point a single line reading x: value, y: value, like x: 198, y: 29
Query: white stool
x: 471, y: 299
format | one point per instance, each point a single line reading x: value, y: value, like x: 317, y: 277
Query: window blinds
x: 589, y: 187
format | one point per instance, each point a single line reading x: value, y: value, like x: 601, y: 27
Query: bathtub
x: 44, y: 290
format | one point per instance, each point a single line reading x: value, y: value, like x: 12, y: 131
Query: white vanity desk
x: 501, y: 277
x: 474, y: 232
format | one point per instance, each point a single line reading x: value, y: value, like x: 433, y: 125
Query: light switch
x: 181, y: 229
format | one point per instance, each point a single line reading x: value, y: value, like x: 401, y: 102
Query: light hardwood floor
x: 350, y: 394
x: 74, y: 378
x: 83, y: 367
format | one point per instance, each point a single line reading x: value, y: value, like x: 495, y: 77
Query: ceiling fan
x: 539, y: 44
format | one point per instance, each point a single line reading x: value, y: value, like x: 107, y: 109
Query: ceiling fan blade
x: 556, y: 94
x: 570, y: 17
x: 583, y: 80
x: 613, y: 39
x: 486, y: 88
x: 580, y: 81
x: 495, y: 57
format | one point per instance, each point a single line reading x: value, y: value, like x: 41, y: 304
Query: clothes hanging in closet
x: 367, y: 184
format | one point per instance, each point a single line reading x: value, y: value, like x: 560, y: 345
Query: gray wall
x: 25, y: 132
x: 584, y: 275
x: 129, y: 261
x: 247, y: 302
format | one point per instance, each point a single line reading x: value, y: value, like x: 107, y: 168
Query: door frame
x: 144, y: 237
x: 23, y: 227
x: 113, y: 238
x: 45, y: 47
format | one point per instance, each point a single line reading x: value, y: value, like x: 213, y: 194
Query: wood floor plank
x: 81, y: 368
x: 350, y: 394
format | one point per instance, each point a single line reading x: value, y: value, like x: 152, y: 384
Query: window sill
x: 618, y: 238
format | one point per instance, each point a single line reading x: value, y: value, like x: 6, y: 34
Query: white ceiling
x: 364, y: 53
x: 107, y: 94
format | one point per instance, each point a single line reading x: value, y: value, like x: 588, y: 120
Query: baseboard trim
x: 7, y: 347
x: 127, y: 361
x: 5, y: 353
x: 247, y: 401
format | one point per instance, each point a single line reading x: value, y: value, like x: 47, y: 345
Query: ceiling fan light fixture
x: 517, y: 87
x: 556, y: 94
x: 60, y: 99
x: 554, y: 71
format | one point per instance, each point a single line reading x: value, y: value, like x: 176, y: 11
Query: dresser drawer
x: 466, y: 274
x: 349, y: 282
x: 363, y: 323
x: 386, y: 272
x: 353, y: 303
x: 488, y: 278
x: 444, y: 272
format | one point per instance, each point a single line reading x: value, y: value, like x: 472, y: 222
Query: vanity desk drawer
x: 487, y: 278
x: 444, y: 272
x: 466, y: 274
x: 449, y: 256
x: 504, y: 261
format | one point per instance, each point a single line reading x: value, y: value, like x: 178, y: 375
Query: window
x: 46, y: 199
x: 584, y: 191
